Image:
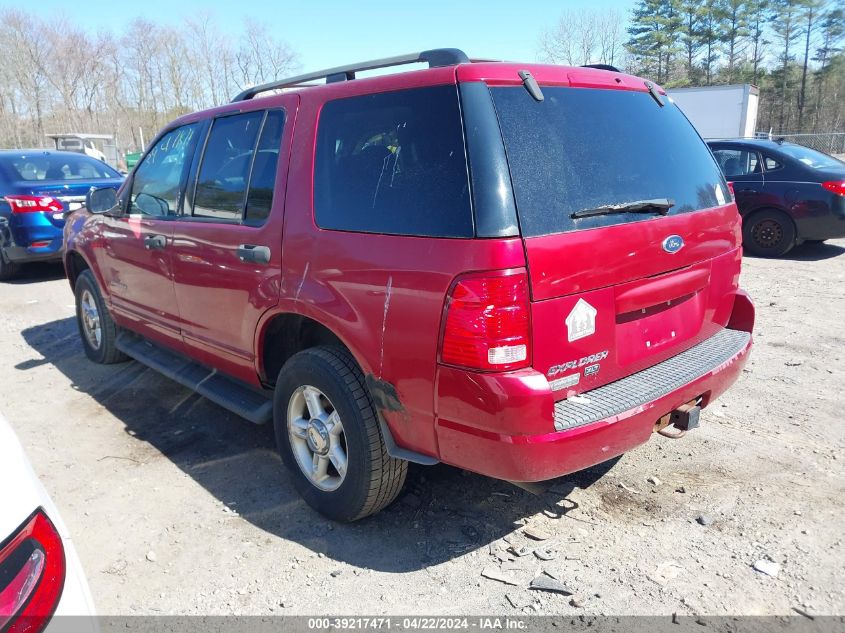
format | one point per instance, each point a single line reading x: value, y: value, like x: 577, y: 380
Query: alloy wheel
x: 317, y: 438
x: 91, y: 320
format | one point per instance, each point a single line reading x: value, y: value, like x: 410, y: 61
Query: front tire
x: 96, y: 327
x: 328, y: 435
x: 768, y: 233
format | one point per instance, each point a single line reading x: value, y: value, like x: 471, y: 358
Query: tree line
x: 791, y: 49
x: 56, y: 77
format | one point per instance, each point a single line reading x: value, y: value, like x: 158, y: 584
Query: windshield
x: 51, y: 166
x: 811, y: 157
x: 583, y: 149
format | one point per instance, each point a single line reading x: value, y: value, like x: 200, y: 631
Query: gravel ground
x: 178, y: 507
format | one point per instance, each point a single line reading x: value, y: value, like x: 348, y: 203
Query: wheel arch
x: 283, y: 334
x: 75, y: 263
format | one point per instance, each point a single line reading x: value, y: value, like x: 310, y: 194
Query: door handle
x: 748, y: 191
x: 250, y: 253
x: 154, y: 242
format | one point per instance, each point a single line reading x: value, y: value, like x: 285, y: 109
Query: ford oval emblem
x: 673, y: 243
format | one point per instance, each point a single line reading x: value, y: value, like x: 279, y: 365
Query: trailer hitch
x: 675, y: 424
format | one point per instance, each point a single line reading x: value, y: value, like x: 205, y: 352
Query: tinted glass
x: 811, y: 157
x: 50, y: 166
x: 393, y: 163
x: 582, y: 149
x: 260, y: 198
x: 226, y: 161
x: 771, y: 163
x: 157, y: 183
x: 737, y: 162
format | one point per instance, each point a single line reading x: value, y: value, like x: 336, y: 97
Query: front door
x: 136, y: 259
x: 226, y: 253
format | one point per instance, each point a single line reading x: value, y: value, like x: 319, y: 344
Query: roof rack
x: 602, y: 67
x: 435, y: 58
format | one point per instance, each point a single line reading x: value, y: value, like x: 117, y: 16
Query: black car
x: 787, y: 194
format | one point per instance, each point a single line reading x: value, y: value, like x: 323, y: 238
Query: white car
x: 40, y: 573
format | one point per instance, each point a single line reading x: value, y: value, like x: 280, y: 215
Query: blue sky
x: 332, y: 32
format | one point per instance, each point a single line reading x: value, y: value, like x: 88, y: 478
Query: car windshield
x: 582, y: 150
x: 811, y: 157
x: 53, y: 166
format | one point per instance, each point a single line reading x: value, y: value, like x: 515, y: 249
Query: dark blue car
x: 787, y: 194
x: 36, y: 188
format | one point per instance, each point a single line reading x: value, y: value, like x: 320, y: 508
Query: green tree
x: 654, y: 34
x: 712, y: 36
x: 810, y: 10
x: 757, y: 11
x: 832, y: 27
x: 736, y: 18
x: 784, y: 24
x: 692, y: 14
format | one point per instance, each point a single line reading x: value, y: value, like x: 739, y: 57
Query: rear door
x: 136, y: 261
x: 227, y: 248
x: 744, y: 168
x: 614, y: 292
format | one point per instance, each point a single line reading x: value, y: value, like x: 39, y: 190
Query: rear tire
x: 328, y: 435
x: 96, y: 327
x: 768, y: 233
x: 8, y: 270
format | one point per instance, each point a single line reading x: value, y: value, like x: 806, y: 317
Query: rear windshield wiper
x: 657, y: 205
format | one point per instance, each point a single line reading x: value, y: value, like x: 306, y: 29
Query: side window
x: 259, y: 200
x: 738, y: 162
x: 226, y: 163
x: 393, y: 163
x: 157, y: 184
x: 771, y: 163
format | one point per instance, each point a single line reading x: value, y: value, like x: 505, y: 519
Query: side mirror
x: 101, y: 200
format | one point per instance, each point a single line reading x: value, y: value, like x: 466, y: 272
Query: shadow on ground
x: 37, y: 272
x: 442, y: 513
x: 812, y: 252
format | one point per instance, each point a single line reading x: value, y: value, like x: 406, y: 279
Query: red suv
x: 517, y: 269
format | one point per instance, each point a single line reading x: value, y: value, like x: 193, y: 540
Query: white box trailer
x: 720, y: 111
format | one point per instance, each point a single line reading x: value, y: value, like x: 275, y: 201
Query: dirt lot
x: 177, y: 506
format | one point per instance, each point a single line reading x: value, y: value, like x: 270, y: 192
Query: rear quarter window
x: 393, y: 163
x: 582, y: 149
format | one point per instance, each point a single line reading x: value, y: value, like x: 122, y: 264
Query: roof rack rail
x: 435, y: 58
x: 602, y: 67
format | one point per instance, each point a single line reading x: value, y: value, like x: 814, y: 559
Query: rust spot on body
x: 385, y: 395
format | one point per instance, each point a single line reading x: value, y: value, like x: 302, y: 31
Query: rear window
x: 49, y: 166
x: 810, y: 157
x: 583, y: 149
x: 393, y: 163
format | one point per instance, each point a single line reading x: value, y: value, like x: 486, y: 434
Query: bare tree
x: 584, y: 36
x: 57, y: 76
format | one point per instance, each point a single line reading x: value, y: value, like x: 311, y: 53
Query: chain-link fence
x: 827, y: 142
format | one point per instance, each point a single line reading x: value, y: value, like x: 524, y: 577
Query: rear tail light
x: 836, y: 186
x: 731, y: 189
x: 34, y: 204
x: 487, y: 324
x: 32, y: 575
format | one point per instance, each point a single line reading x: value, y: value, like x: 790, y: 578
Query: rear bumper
x: 30, y: 237
x: 827, y: 224
x: 21, y: 254
x: 586, y: 441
